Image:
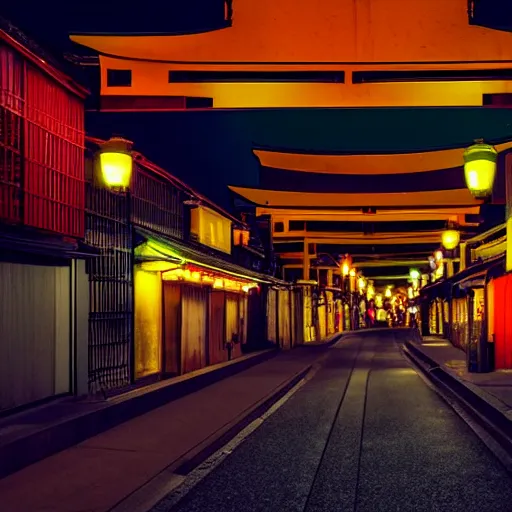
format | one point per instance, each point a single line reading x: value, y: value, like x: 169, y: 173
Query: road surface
x: 365, y: 433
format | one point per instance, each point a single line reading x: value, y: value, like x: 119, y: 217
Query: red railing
x: 41, y: 149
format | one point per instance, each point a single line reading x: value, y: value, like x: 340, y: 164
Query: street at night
x: 256, y: 255
x: 365, y: 433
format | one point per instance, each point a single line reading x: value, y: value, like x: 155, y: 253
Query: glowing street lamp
x: 480, y: 162
x: 414, y: 274
x: 116, y: 163
x: 450, y: 239
x: 346, y: 265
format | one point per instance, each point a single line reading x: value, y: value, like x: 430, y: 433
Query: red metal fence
x: 41, y: 149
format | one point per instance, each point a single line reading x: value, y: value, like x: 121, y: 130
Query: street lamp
x: 450, y: 239
x: 116, y: 163
x: 414, y: 274
x: 480, y: 161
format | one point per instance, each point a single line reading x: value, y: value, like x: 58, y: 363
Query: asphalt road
x: 365, y: 433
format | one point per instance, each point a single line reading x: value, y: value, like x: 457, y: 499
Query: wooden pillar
x: 329, y: 278
x: 463, y: 248
x: 305, y: 261
x: 449, y: 268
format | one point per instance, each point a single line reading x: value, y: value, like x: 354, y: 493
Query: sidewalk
x: 102, y: 471
x: 487, y: 395
x: 497, y: 384
x: 32, y: 435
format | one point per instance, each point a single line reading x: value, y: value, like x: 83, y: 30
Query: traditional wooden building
x: 43, y: 282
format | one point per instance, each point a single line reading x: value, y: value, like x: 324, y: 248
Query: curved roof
x: 293, y: 199
x: 340, y: 30
x: 367, y: 164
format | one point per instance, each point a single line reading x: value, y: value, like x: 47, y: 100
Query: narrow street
x: 365, y: 433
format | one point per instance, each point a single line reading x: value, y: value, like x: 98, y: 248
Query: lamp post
x: 480, y: 164
x: 116, y: 167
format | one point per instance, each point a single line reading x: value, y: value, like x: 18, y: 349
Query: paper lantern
x: 116, y: 162
x: 480, y: 169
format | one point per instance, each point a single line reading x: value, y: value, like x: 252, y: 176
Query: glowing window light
x: 157, y: 266
x: 450, y: 239
x: 480, y: 161
x: 116, y: 162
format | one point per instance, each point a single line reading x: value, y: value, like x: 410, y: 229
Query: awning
x: 34, y: 242
x: 158, y: 248
x: 475, y: 276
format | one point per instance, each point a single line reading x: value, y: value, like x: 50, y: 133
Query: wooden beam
x: 364, y: 164
x: 385, y: 215
x: 392, y: 200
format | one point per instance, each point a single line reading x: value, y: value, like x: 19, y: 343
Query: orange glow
x: 151, y: 79
x: 193, y: 274
x: 295, y: 32
x: 241, y: 237
x: 341, y: 31
x: 270, y: 198
x: 367, y: 164
x: 449, y: 214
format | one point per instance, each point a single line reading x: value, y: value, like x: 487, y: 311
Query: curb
x: 24, y: 451
x: 198, y: 455
x: 154, y: 490
x: 488, y: 416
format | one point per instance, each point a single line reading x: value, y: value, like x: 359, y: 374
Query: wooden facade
x: 42, y: 224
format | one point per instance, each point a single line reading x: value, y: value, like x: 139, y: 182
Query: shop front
x: 191, y: 309
x: 476, y: 317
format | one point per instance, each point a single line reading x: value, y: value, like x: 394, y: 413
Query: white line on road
x: 183, y: 485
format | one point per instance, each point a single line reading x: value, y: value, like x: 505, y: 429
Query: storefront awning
x: 158, y: 248
x: 26, y: 241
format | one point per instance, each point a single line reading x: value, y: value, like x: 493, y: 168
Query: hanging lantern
x: 346, y: 265
x: 480, y: 169
x: 414, y: 274
x: 450, y: 239
x: 116, y: 162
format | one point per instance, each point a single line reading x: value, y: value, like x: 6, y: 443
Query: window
x: 180, y: 76
x: 119, y: 77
